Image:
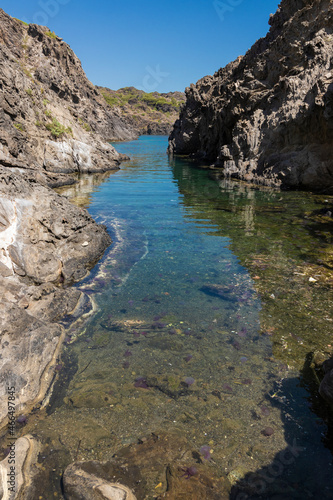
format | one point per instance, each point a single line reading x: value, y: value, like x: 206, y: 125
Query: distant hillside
x: 151, y: 113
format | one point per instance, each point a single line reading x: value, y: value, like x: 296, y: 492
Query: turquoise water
x: 164, y: 352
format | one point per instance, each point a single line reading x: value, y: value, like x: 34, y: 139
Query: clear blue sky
x: 161, y: 46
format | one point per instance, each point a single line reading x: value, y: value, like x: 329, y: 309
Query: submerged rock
x: 160, y: 463
x: 326, y: 386
x: 82, y: 485
x: 221, y: 291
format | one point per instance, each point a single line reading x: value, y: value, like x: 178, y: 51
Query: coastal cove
x: 195, y: 374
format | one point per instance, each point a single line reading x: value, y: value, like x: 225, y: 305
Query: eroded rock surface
x: 267, y: 116
x: 52, y: 118
x: 44, y: 241
x: 53, y: 124
x: 326, y: 386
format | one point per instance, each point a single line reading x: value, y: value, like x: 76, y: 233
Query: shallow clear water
x: 164, y: 352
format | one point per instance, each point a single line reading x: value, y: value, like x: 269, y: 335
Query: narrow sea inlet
x: 209, y: 307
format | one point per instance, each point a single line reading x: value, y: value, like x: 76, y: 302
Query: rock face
x: 326, y: 386
x: 267, y: 117
x: 44, y: 241
x: 53, y: 123
x: 148, y: 113
x: 52, y: 119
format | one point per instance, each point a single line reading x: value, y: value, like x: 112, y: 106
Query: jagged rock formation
x: 148, y: 114
x: 52, y: 119
x: 44, y: 241
x: 267, y: 117
x: 326, y: 386
x: 53, y: 123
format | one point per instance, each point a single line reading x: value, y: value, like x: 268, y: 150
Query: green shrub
x: 38, y: 123
x: 29, y: 92
x: 45, y: 102
x: 84, y: 125
x: 48, y: 113
x: 57, y: 129
x: 51, y: 34
x: 19, y: 126
x: 111, y: 101
x: 23, y: 22
x: 27, y: 72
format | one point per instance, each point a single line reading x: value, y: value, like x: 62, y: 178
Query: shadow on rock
x: 304, y: 468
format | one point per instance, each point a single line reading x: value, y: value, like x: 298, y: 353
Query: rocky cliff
x: 52, y: 118
x: 147, y: 113
x: 267, y: 117
x: 53, y: 124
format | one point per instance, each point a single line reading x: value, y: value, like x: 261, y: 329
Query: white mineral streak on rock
x: 11, y: 213
x: 82, y: 155
x: 8, y: 226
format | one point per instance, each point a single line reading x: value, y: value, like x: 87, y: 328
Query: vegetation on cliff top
x: 149, y: 112
x: 139, y: 98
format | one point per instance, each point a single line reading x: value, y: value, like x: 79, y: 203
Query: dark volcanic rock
x: 44, y: 237
x: 267, y: 117
x: 326, y: 386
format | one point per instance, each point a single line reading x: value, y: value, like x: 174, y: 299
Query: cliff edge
x: 52, y: 118
x: 53, y: 124
x: 267, y: 116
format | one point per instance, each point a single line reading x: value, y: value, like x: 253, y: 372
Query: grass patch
x: 27, y: 72
x: 139, y: 99
x: 19, y: 126
x: 51, y: 34
x: 38, y: 124
x: 112, y: 101
x: 46, y: 102
x: 23, y: 22
x: 29, y: 92
x: 84, y: 125
x: 57, y: 129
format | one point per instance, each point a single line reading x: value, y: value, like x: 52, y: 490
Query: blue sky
x: 161, y: 46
